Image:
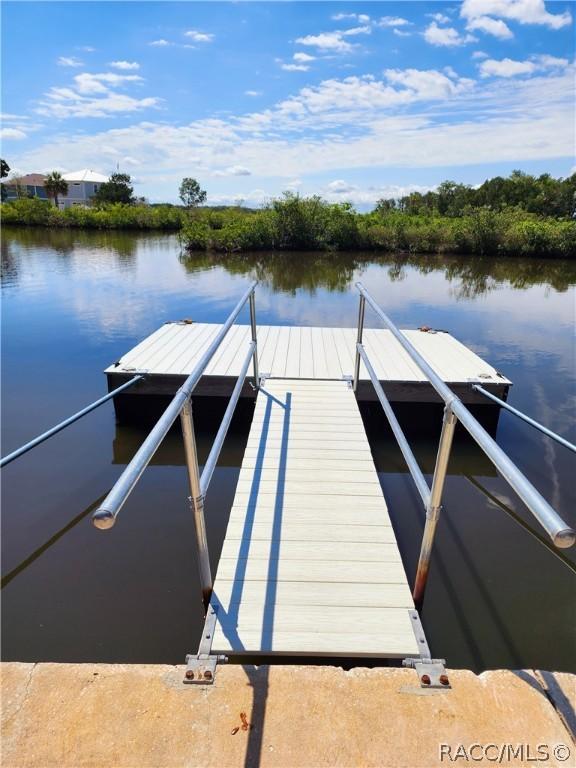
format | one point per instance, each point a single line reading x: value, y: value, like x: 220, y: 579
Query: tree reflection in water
x: 289, y: 272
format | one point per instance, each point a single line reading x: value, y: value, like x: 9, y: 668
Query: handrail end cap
x: 564, y: 538
x: 103, y: 519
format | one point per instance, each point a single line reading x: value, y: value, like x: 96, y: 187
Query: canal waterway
x: 73, y: 302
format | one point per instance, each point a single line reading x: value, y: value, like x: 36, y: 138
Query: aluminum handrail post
x: 254, y: 338
x: 361, y: 312
x: 194, y: 377
x: 212, y: 459
x: 196, y: 501
x: 435, y: 503
x: 409, y: 457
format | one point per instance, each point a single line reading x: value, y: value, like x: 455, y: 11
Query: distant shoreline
x: 311, y: 224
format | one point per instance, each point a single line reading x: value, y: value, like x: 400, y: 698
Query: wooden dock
x: 310, y: 564
x: 169, y: 354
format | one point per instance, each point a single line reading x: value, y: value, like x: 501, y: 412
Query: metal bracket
x: 201, y: 668
x: 263, y: 377
x: 431, y: 672
x: 349, y: 380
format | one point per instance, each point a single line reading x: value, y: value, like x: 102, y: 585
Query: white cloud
x: 161, y: 43
x: 69, y: 61
x: 340, y: 187
x: 429, y: 84
x: 199, y: 37
x: 363, y: 18
x: 125, y: 65
x: 544, y: 61
x: 340, y: 191
x: 253, y: 93
x: 303, y: 57
x: 87, y: 48
x: 392, y: 21
x: 326, y: 41
x: 12, y: 133
x: 93, y: 95
x: 479, y: 55
x: 99, y: 83
x: 495, y: 27
x: 511, y: 68
x: 402, y: 33
x: 439, y: 17
x: 522, y: 11
x: 234, y: 170
x: 295, y: 67
x: 445, y: 36
x: 333, y: 42
x: 363, y: 30
x: 505, y: 68
x: 7, y: 116
x: 351, y: 99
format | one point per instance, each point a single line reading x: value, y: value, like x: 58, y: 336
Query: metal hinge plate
x: 201, y: 668
x: 431, y: 672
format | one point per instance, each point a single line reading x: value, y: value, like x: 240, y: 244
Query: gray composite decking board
x: 305, y: 353
x: 310, y: 564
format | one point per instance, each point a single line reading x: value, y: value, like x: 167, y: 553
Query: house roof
x: 85, y: 175
x: 33, y: 179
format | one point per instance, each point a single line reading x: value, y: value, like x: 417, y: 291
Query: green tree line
x: 521, y: 215
x: 296, y: 223
x: 543, y: 195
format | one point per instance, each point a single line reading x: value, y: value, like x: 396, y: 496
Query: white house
x: 82, y: 186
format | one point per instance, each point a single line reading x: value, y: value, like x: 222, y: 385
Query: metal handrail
x: 212, y: 459
x: 455, y: 411
x: 409, y: 457
x: 106, y: 514
x: 66, y: 423
x: 524, y: 417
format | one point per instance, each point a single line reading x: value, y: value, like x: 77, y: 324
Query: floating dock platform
x: 294, y: 352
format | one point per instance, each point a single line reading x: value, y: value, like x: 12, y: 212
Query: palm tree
x: 55, y: 185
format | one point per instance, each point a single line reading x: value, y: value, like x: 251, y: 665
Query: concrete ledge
x: 100, y: 715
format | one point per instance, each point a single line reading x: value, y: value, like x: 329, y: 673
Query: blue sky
x: 354, y: 101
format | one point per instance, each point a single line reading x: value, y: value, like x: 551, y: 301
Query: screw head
x: 207, y: 675
x: 189, y: 674
x: 444, y: 680
x: 425, y: 679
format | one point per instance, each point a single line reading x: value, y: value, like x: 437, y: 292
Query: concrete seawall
x: 142, y: 716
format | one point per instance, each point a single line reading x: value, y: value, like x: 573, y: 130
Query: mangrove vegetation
x: 521, y: 215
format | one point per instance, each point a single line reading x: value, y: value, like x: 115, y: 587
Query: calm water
x: 74, y: 302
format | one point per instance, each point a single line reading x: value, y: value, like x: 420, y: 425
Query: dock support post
x: 254, y: 338
x: 361, y: 310
x: 196, y: 500
x: 435, y: 503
